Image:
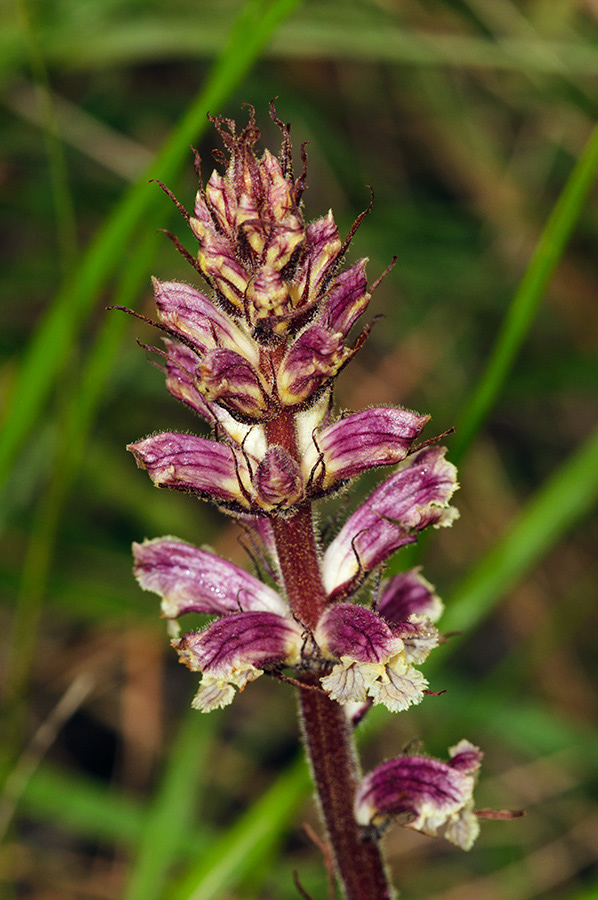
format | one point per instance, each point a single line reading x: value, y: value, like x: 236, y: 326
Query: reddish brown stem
x: 329, y: 744
x: 326, y: 734
x: 299, y: 564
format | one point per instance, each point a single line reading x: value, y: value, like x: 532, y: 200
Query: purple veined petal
x: 188, y: 312
x: 408, y: 594
x: 314, y: 358
x: 267, y: 295
x: 180, y: 365
x: 422, y: 793
x: 186, y: 462
x: 277, y: 481
x: 284, y: 240
x: 359, y: 442
x: 416, y: 496
x: 218, y: 260
x: 200, y: 210
x: 349, y: 630
x: 322, y: 246
x: 236, y: 649
x: 181, y: 383
x: 226, y: 377
x: 373, y: 661
x: 247, y: 220
x: 222, y: 203
x: 346, y: 299
x: 466, y: 757
x: 192, y: 580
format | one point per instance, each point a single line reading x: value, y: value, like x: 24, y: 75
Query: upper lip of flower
x: 426, y: 794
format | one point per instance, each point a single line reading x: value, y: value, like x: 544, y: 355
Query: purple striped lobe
x: 192, y: 580
x: 416, y: 496
x: 186, y: 462
x: 408, y: 594
x: 359, y: 442
x: 424, y: 794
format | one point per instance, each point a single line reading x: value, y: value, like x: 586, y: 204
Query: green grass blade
x: 82, y: 806
x: 562, y: 502
x: 63, y: 201
x: 58, y: 330
x: 245, y: 845
x: 528, y: 297
x: 331, y: 30
x: 171, y: 817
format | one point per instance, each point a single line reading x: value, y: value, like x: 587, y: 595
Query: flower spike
x: 256, y: 357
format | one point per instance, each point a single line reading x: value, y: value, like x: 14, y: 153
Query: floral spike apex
x: 256, y: 357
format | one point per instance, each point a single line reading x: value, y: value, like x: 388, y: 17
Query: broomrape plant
x: 257, y: 359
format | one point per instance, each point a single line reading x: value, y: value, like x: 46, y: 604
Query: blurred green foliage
x: 473, y: 124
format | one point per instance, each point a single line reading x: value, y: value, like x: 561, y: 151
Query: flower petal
x: 373, y: 660
x: 355, y: 444
x: 278, y: 480
x: 349, y: 630
x: 416, y: 496
x: 423, y: 794
x: 226, y: 377
x: 399, y: 686
x: 218, y: 260
x: 322, y: 243
x: 236, y: 649
x: 312, y: 360
x: 181, y: 364
x: 347, y: 299
x: 192, y: 580
x: 408, y: 594
x: 186, y: 462
x: 188, y: 312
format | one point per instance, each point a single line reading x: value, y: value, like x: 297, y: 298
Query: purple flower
x: 257, y: 362
x: 359, y: 655
x: 424, y: 794
x: 256, y: 358
x: 373, y: 661
x: 410, y: 500
x: 236, y: 649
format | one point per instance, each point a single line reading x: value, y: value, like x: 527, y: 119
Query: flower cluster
x: 256, y: 359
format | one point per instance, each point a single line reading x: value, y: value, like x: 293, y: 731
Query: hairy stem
x: 327, y: 738
x: 326, y: 734
x: 334, y: 768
